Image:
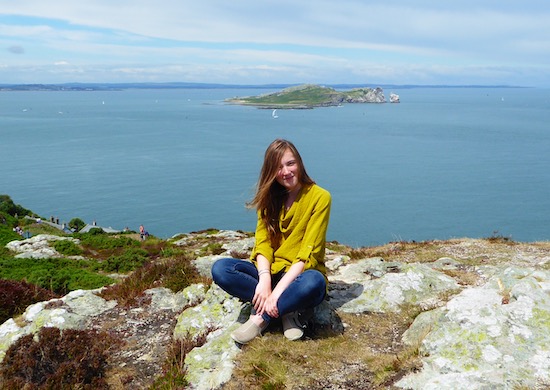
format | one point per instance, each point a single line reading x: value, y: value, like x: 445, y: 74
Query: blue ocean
x: 444, y: 163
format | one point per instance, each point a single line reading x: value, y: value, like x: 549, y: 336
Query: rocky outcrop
x: 37, y: 247
x: 487, y: 336
x: 492, y: 331
x: 394, y: 98
x: 362, y: 95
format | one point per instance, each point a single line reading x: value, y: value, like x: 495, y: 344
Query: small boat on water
x: 274, y: 114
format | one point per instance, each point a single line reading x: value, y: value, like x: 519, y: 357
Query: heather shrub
x: 67, y: 248
x: 7, y: 206
x: 57, y: 275
x: 175, y: 274
x: 99, y: 240
x: 180, y: 273
x: 131, y: 259
x: 131, y: 288
x: 17, y: 295
x: 7, y: 234
x: 68, y: 359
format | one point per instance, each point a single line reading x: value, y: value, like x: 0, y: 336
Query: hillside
x: 462, y: 313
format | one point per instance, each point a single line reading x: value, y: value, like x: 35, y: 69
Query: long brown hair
x: 270, y: 195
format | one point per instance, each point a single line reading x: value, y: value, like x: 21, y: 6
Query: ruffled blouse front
x: 303, y: 227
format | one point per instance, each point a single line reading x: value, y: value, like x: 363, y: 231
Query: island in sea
x: 309, y: 96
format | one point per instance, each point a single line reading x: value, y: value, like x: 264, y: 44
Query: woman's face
x: 288, y: 172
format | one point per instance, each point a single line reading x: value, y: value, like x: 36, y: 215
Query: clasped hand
x: 264, y: 300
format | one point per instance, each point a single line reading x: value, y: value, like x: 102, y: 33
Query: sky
x: 423, y: 42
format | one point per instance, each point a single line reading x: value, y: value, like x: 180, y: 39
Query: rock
x: 446, y: 263
x: 70, y: 312
x: 211, y: 364
x: 336, y: 262
x: 164, y: 299
x: 480, y: 340
x: 377, y: 286
x: 204, y: 264
x: 241, y: 245
x: 37, y: 247
x: 363, y: 95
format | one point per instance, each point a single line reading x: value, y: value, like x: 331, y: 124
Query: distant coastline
x: 182, y: 85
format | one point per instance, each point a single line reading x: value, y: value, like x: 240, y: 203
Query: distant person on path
x: 142, y: 233
x: 286, y: 275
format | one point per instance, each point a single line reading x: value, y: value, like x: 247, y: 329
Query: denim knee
x: 219, y: 269
x: 316, y: 285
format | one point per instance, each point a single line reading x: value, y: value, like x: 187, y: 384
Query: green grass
x: 98, y: 240
x: 67, y: 248
x: 303, y: 96
x: 58, y: 275
x: 311, y: 95
x: 7, y: 235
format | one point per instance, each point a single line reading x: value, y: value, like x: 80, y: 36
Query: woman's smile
x: 287, y: 176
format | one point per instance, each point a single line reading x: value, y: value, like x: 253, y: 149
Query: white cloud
x: 308, y: 39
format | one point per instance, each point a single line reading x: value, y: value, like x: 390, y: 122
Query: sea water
x: 443, y: 163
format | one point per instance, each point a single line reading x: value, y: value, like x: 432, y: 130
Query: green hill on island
x: 311, y: 96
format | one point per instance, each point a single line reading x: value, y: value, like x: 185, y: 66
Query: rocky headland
x: 457, y: 314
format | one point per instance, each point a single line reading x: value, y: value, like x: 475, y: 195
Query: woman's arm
x: 263, y: 288
x: 292, y: 273
x: 315, y: 231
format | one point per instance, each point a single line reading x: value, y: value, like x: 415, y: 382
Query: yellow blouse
x: 303, y: 227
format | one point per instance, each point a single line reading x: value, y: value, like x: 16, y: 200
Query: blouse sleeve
x: 262, y: 244
x: 316, y: 230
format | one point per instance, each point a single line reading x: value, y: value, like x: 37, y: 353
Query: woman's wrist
x: 264, y: 272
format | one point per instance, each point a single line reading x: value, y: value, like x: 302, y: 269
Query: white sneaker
x: 292, y: 328
x: 248, y: 331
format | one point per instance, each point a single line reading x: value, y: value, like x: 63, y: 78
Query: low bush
x: 99, y: 240
x: 7, y: 234
x: 175, y: 274
x: 17, y: 295
x: 131, y: 288
x: 57, y: 275
x: 68, y: 359
x: 67, y: 248
x: 131, y: 259
x: 9, y: 207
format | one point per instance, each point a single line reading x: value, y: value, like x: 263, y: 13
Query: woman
x: 287, y: 272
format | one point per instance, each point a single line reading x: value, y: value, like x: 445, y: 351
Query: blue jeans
x: 239, y: 278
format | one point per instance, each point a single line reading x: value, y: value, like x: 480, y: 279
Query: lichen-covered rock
x: 486, y: 336
x: 378, y: 286
x: 241, y: 245
x: 164, y: 299
x: 37, y: 247
x: 204, y: 264
x: 211, y: 364
x: 70, y: 312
